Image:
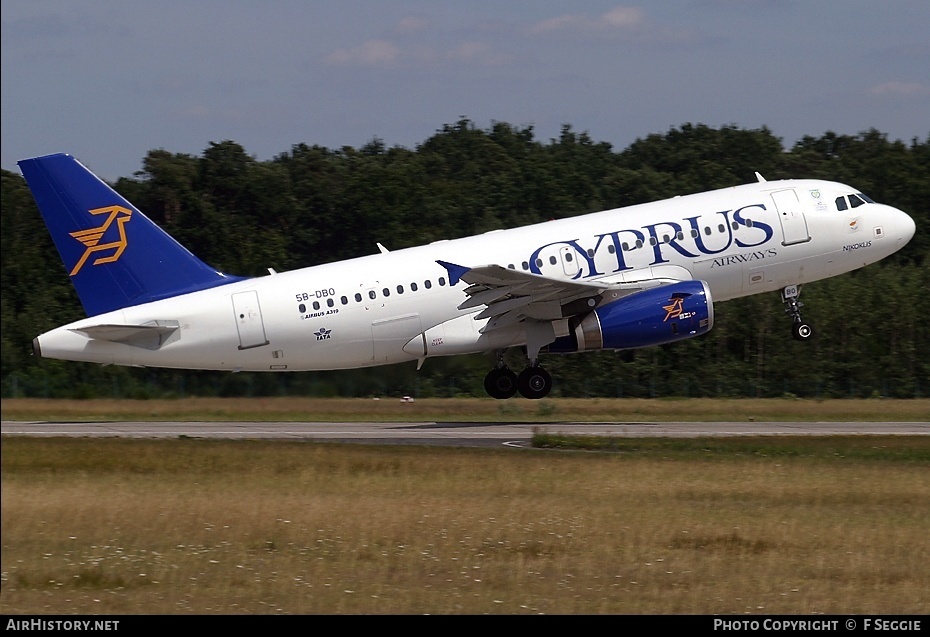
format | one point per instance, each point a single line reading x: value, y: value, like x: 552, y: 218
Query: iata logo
x: 93, y: 236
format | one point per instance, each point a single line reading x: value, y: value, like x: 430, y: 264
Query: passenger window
x: 372, y: 295
x: 428, y: 284
x: 316, y: 305
x: 344, y: 300
x: 442, y: 280
x: 413, y: 287
x: 841, y: 203
x: 386, y: 292
x: 358, y: 297
x: 329, y: 303
x: 400, y: 289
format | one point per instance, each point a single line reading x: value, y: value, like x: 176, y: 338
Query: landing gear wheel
x: 802, y: 331
x: 500, y: 383
x: 534, y: 382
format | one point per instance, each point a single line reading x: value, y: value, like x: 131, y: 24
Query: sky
x: 110, y: 80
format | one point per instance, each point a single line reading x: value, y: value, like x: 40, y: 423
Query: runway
x: 450, y: 433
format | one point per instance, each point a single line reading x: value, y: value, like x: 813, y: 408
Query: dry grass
x: 114, y: 526
x: 469, y: 409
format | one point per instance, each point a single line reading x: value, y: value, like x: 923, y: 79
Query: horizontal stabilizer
x: 151, y: 335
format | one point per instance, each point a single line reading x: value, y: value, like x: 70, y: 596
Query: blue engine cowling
x: 655, y: 316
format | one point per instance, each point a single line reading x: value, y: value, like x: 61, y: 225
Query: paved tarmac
x: 450, y: 433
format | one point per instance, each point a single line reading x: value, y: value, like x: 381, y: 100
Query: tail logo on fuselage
x: 92, y: 237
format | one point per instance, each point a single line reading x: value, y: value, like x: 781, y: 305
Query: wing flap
x: 482, y: 295
x: 500, y: 307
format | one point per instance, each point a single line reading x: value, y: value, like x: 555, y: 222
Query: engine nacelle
x: 656, y: 316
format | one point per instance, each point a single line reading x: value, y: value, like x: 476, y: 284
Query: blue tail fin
x: 115, y: 255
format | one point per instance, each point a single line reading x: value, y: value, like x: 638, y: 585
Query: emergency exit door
x: 791, y: 216
x: 249, y: 320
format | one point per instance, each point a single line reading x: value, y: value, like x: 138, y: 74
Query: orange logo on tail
x: 92, y: 236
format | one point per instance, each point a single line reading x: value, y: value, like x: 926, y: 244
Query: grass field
x: 469, y: 409
x: 786, y: 525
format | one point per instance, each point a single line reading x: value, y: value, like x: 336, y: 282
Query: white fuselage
x: 399, y: 306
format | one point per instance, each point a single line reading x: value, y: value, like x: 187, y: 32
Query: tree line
x: 312, y: 204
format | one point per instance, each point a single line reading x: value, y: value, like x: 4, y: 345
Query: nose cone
x: 906, y: 228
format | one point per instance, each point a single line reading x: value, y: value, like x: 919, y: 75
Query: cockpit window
x: 855, y: 201
x: 852, y: 201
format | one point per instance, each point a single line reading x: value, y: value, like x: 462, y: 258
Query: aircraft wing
x: 511, y: 296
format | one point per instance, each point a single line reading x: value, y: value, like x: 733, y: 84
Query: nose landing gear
x: 800, y: 330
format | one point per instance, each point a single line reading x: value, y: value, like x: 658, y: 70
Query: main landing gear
x: 534, y: 382
x: 501, y: 382
x: 800, y: 330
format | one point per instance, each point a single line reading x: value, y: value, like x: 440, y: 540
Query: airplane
x: 639, y: 276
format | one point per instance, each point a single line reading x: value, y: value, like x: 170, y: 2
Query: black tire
x: 534, y: 383
x: 802, y: 331
x: 500, y: 383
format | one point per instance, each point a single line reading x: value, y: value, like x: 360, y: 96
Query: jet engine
x: 655, y: 316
